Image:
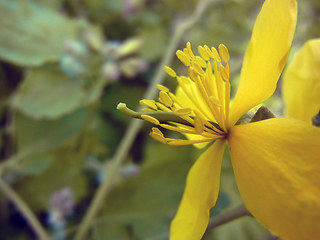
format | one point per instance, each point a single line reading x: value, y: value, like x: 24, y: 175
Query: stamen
x: 150, y: 119
x: 224, y: 73
x: 200, y: 61
x: 192, y: 73
x: 183, y: 58
x: 148, y: 103
x: 163, y: 107
x: 181, y: 130
x: 215, y: 101
x: 170, y: 71
x: 156, y: 130
x: 158, y: 137
x: 203, y: 53
x: 208, y: 51
x: 162, y: 88
x: 190, y: 50
x: 183, y: 111
x: 198, y: 68
x: 165, y: 99
x: 198, y: 124
x: 224, y: 53
x: 180, y: 142
x: 216, y: 54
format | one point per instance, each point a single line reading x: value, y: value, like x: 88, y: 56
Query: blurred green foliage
x: 64, y: 67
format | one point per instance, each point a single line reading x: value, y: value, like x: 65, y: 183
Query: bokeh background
x: 64, y: 67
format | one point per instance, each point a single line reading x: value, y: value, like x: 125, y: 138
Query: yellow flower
x: 276, y: 161
x: 301, y: 83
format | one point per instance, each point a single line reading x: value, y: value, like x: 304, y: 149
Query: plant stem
x: 228, y: 216
x: 24, y: 209
x: 135, y: 125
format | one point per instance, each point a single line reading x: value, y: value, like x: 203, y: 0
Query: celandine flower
x: 276, y: 161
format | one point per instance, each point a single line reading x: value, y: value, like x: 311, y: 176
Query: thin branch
x: 24, y: 209
x: 135, y: 125
x: 228, y: 216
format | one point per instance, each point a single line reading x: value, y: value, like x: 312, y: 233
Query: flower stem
x: 228, y: 216
x: 135, y: 125
x: 24, y: 209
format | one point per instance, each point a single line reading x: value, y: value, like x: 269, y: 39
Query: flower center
x: 200, y: 106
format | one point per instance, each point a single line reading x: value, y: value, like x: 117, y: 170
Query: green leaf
x: 32, y: 34
x: 144, y: 206
x: 64, y: 171
x: 48, y: 93
x: 35, y: 164
x: 42, y: 135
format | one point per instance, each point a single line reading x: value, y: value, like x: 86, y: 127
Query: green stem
x: 228, y: 216
x: 24, y: 209
x: 135, y: 125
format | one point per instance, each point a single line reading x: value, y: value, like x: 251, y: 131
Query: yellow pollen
x: 183, y: 58
x: 150, y: 119
x: 148, y: 103
x: 203, y: 53
x: 224, y: 53
x: 170, y: 71
x: 165, y: 99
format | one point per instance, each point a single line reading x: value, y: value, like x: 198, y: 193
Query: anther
x: 165, y: 99
x: 200, y: 61
x: 150, y: 119
x: 158, y: 137
x: 208, y: 51
x: 198, y: 68
x: 198, y: 123
x: 190, y: 50
x: 216, y: 54
x: 170, y: 71
x: 148, y: 103
x: 192, y: 73
x: 203, y: 53
x: 183, y: 58
x: 215, y: 101
x: 157, y: 131
x: 162, y: 88
x: 183, y: 111
x: 224, y: 53
x: 224, y: 74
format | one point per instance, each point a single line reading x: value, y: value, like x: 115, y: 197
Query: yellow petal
x: 301, y: 83
x: 265, y: 56
x: 200, y: 195
x: 277, y: 168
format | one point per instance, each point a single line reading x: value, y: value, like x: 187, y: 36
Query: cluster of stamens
x: 207, y: 90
